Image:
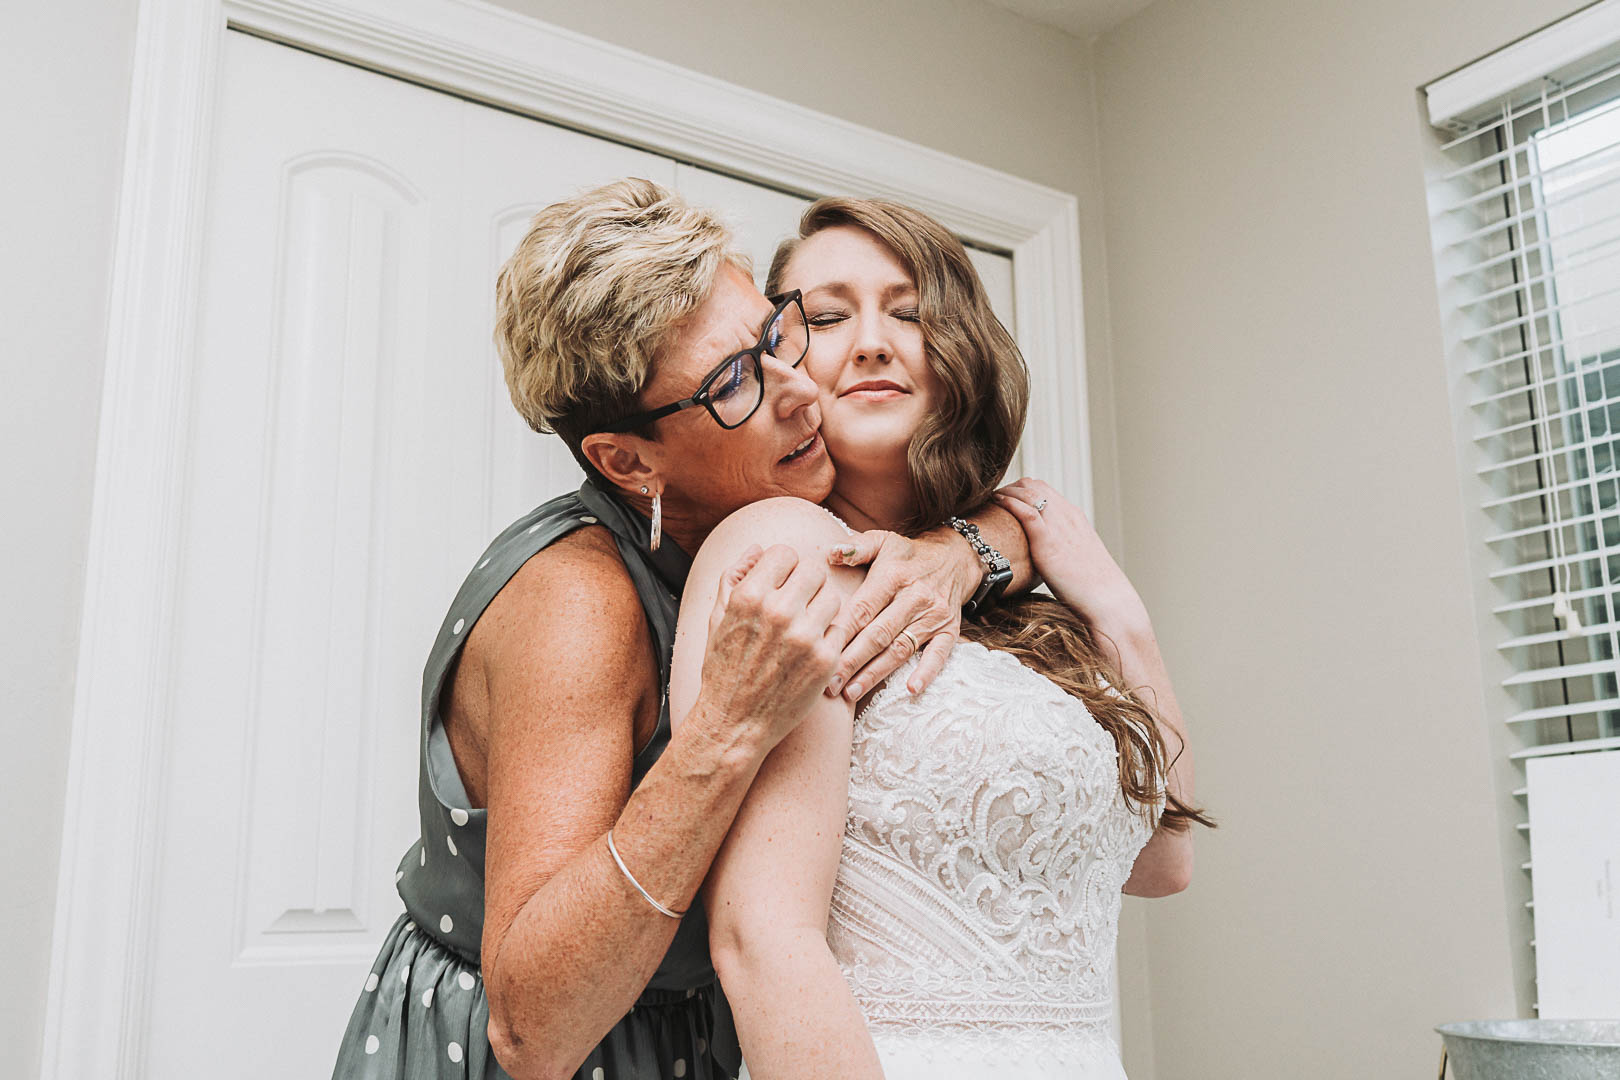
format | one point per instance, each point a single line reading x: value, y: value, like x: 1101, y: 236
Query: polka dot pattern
x: 408, y: 1020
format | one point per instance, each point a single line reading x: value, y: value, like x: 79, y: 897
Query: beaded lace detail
x: 987, y: 844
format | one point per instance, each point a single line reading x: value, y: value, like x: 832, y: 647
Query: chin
x: 866, y: 445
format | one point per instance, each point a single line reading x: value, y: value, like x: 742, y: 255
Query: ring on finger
x: 1040, y: 505
x: 911, y: 642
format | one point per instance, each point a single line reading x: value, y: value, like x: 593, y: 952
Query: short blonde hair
x: 591, y: 295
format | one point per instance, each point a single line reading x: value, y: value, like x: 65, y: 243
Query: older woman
x: 552, y: 927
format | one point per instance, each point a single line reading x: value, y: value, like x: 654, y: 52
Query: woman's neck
x: 872, y: 501
x: 687, y: 529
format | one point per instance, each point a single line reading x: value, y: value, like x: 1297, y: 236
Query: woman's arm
x: 768, y: 893
x: 1077, y: 567
x: 563, y: 661
x: 1165, y: 865
x: 917, y: 584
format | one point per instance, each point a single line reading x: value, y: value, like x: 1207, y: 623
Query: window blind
x: 1526, y: 224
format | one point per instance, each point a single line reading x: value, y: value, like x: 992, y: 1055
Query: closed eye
x: 730, y: 382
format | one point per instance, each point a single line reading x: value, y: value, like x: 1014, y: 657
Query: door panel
x: 760, y: 217
x: 996, y: 271
x: 516, y: 166
x: 353, y: 450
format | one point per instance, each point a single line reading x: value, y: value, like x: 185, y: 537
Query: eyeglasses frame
x: 700, y: 396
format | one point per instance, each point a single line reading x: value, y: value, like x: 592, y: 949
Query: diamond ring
x: 1040, y: 505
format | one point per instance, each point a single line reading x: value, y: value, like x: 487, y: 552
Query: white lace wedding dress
x: 978, y: 894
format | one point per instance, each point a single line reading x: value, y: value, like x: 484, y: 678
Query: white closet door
x: 353, y: 450
x: 996, y: 271
x: 759, y: 217
x: 516, y: 166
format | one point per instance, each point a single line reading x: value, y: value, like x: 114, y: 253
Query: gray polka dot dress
x: 422, y: 1014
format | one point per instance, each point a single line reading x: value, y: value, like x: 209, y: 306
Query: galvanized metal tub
x: 1533, y: 1049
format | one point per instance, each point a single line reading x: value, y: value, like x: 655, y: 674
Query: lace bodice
x: 985, y: 850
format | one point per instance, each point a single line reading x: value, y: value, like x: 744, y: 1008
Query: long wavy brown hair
x: 959, y: 454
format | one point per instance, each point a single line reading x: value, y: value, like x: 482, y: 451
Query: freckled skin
x: 709, y: 471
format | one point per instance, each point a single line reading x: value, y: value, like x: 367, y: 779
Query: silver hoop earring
x: 658, y: 520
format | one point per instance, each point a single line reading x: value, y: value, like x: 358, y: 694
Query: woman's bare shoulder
x: 800, y: 524
x: 576, y: 588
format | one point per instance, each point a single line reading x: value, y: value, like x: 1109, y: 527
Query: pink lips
x: 809, y: 451
x: 875, y: 390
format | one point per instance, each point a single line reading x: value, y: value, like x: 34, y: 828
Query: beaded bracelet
x: 997, y: 570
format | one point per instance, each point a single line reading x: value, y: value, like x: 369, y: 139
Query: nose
x: 788, y: 389
x: 871, y: 343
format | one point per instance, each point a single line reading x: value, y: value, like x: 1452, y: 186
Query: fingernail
x: 854, y: 691
x: 832, y: 687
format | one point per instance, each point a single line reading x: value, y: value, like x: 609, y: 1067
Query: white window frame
x: 1565, y: 53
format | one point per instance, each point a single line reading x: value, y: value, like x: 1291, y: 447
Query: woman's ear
x: 622, y: 459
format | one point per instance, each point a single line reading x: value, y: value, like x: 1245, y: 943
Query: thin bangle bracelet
x: 614, y: 851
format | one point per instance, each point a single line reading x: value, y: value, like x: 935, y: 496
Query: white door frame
x: 95, y: 1018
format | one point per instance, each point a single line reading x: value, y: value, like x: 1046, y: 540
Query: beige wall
x: 66, y: 68
x: 1293, y: 517
x: 957, y: 75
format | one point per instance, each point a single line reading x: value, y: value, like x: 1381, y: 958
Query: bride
x: 940, y: 872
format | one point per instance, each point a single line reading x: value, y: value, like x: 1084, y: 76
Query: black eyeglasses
x: 734, y: 389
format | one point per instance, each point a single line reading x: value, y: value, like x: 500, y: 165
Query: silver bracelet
x: 614, y: 851
x: 997, y: 570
